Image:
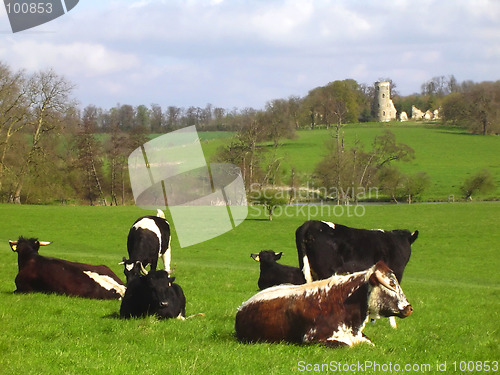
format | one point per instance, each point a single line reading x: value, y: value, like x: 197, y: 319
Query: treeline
x: 52, y: 150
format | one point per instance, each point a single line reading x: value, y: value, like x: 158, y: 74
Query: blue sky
x: 243, y: 53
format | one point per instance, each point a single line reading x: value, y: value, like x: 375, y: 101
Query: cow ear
x: 255, y: 257
x: 13, y: 245
x: 373, y: 279
x: 171, y: 280
x: 413, y: 237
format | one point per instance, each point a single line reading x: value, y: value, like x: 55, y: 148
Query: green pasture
x: 448, y: 155
x: 452, y: 281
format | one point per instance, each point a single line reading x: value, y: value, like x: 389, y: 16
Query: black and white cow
x: 273, y: 273
x: 333, y: 311
x: 148, y: 239
x: 153, y: 294
x: 326, y: 248
x: 38, y: 273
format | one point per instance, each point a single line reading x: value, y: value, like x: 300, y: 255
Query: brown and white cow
x: 38, y: 273
x: 332, y: 311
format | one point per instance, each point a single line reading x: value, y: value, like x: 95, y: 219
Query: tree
x: 414, y: 185
x: 482, y: 182
x: 476, y: 108
x: 279, y: 123
x: 47, y: 98
x: 117, y: 148
x: 13, y: 112
x: 348, y: 171
x: 89, y: 157
x: 269, y: 198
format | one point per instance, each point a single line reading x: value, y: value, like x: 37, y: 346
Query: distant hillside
x: 447, y: 154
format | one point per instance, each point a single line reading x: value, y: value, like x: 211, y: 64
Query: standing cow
x: 51, y: 275
x: 148, y: 239
x: 326, y: 248
x: 333, y: 311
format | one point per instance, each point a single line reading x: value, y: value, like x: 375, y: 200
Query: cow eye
x: 392, y: 284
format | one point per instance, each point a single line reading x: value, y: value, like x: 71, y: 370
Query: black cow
x: 326, y: 248
x: 148, y: 239
x: 153, y: 294
x: 51, y: 275
x: 273, y: 273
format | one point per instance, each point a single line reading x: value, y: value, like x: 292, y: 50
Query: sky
x: 238, y: 54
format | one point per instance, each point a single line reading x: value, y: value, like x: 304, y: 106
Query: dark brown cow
x: 51, y: 275
x: 333, y: 311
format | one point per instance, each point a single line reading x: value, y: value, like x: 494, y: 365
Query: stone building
x: 383, y: 103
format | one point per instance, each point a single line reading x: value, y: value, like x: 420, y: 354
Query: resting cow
x: 333, y: 311
x: 153, y: 294
x: 148, y: 239
x: 51, y: 275
x: 273, y: 273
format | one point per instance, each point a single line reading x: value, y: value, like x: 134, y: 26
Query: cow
x: 326, y: 248
x: 38, y: 273
x: 153, y: 294
x: 148, y: 239
x: 273, y: 273
x: 332, y: 311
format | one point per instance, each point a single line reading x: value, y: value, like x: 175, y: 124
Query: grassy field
x: 452, y: 281
x: 448, y: 155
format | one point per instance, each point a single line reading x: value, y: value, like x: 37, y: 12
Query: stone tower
x: 384, y: 105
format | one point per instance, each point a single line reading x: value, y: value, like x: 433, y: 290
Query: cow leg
x: 307, y: 270
x: 392, y: 321
x: 166, y: 257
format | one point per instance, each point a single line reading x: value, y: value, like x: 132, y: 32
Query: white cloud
x: 244, y: 53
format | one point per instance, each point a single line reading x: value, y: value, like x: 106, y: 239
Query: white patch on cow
x: 380, y: 230
x: 129, y: 266
x: 330, y: 224
x: 287, y: 290
x: 149, y: 224
x: 345, y: 334
x: 106, y: 282
x: 307, y: 270
x: 310, y: 335
x: 392, y: 322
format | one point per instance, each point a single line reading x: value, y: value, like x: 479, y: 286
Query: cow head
x: 165, y: 301
x: 266, y: 256
x: 132, y: 269
x: 23, y: 244
x: 386, y: 297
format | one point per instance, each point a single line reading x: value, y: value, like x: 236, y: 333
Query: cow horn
x: 44, y: 243
x: 144, y: 271
x: 381, y: 279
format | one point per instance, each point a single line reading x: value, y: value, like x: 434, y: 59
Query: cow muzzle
x: 406, y: 311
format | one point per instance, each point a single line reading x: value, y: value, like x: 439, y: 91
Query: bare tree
x: 89, y: 156
x: 13, y: 111
x: 47, y: 99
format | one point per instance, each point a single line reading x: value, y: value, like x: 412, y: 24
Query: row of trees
x: 52, y: 150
